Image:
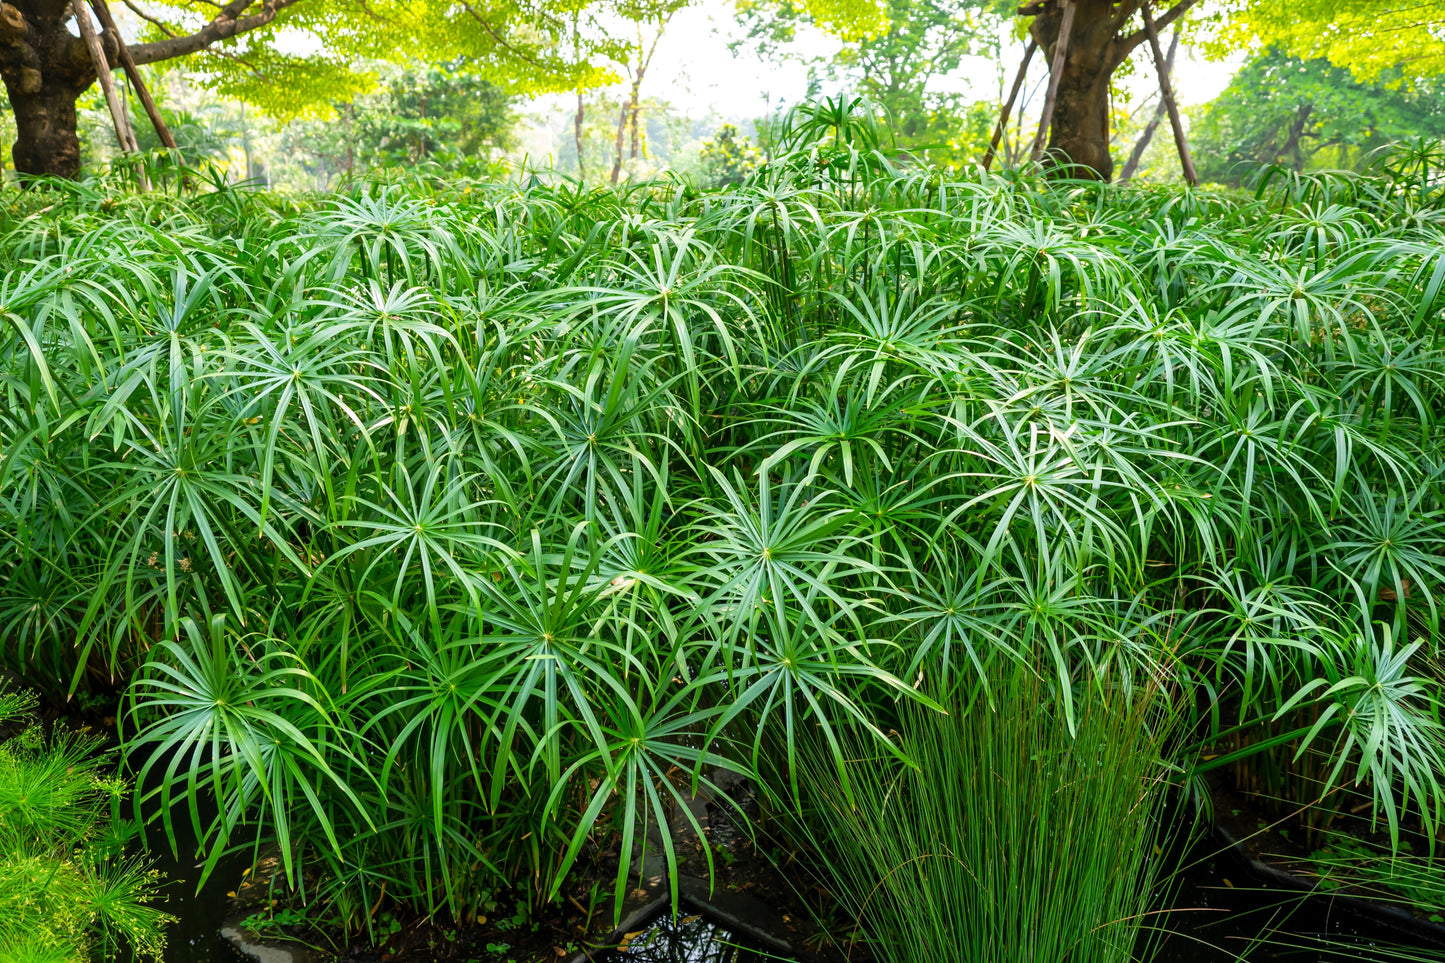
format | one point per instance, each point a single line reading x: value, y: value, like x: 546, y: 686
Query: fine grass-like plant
x: 447, y: 533
x: 67, y: 886
x: 1007, y: 837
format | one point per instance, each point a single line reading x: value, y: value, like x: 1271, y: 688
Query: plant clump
x: 454, y: 532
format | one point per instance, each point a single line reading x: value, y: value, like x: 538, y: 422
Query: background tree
x: 1104, y: 34
x: 451, y: 120
x: 899, y: 67
x: 1365, y: 36
x: 1280, y: 109
x: 647, y: 22
x: 46, y: 68
x: 728, y: 157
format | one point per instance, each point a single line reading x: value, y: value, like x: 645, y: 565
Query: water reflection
x: 687, y: 939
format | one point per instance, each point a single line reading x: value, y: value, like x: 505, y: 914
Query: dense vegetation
x: 448, y: 532
x: 1307, y: 114
x: 1009, y: 835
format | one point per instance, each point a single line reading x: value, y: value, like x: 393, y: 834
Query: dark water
x: 196, y: 937
x: 1223, y: 915
x: 688, y: 939
x: 1220, y: 915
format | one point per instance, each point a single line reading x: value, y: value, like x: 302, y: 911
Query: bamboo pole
x: 1008, y: 105
x: 107, y: 83
x: 1166, y: 90
x: 1056, y: 72
x: 102, y: 13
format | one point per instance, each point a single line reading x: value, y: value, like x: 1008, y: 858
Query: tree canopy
x: 1368, y: 37
x: 1280, y: 109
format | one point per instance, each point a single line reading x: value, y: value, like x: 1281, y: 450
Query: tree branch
x: 1126, y: 45
x: 12, y: 24
x: 501, y: 41
x: 158, y: 24
x: 229, y: 23
x: 1127, y: 9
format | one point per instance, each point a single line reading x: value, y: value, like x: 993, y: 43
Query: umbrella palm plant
x: 454, y: 531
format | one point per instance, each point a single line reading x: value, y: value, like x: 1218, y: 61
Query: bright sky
x: 695, y: 70
x: 698, y: 74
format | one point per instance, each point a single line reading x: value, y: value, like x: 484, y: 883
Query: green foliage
x: 525, y: 49
x: 899, y: 67
x: 1366, y: 37
x: 66, y: 885
x: 1412, y: 878
x: 7, y: 134
x: 449, y: 121
x: 1008, y: 838
x: 1307, y: 114
x: 448, y: 533
x: 729, y: 157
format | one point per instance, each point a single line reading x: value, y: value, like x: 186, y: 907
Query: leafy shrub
x: 451, y: 532
x: 729, y: 157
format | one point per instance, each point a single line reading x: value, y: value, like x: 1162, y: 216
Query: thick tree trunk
x: 1079, y: 129
x: 46, y: 139
x: 45, y: 68
x: 1098, y: 44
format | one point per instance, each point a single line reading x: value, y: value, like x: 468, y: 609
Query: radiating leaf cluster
x: 449, y: 532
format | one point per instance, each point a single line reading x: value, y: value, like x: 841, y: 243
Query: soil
x: 755, y: 897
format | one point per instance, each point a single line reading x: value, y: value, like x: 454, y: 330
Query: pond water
x: 688, y: 939
x: 196, y: 936
x: 1222, y: 916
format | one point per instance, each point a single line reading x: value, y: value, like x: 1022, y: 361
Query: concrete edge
x: 262, y: 951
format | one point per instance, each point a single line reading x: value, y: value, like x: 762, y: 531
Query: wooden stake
x: 1143, y: 143
x: 107, y: 83
x: 102, y: 13
x: 1056, y: 73
x: 1008, y: 105
x: 1166, y: 90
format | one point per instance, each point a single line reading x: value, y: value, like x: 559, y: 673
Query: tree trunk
x: 577, y: 134
x: 46, y: 141
x: 45, y: 68
x: 1079, y: 128
x: 636, y: 142
x: 1291, y: 151
x: 621, y: 135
